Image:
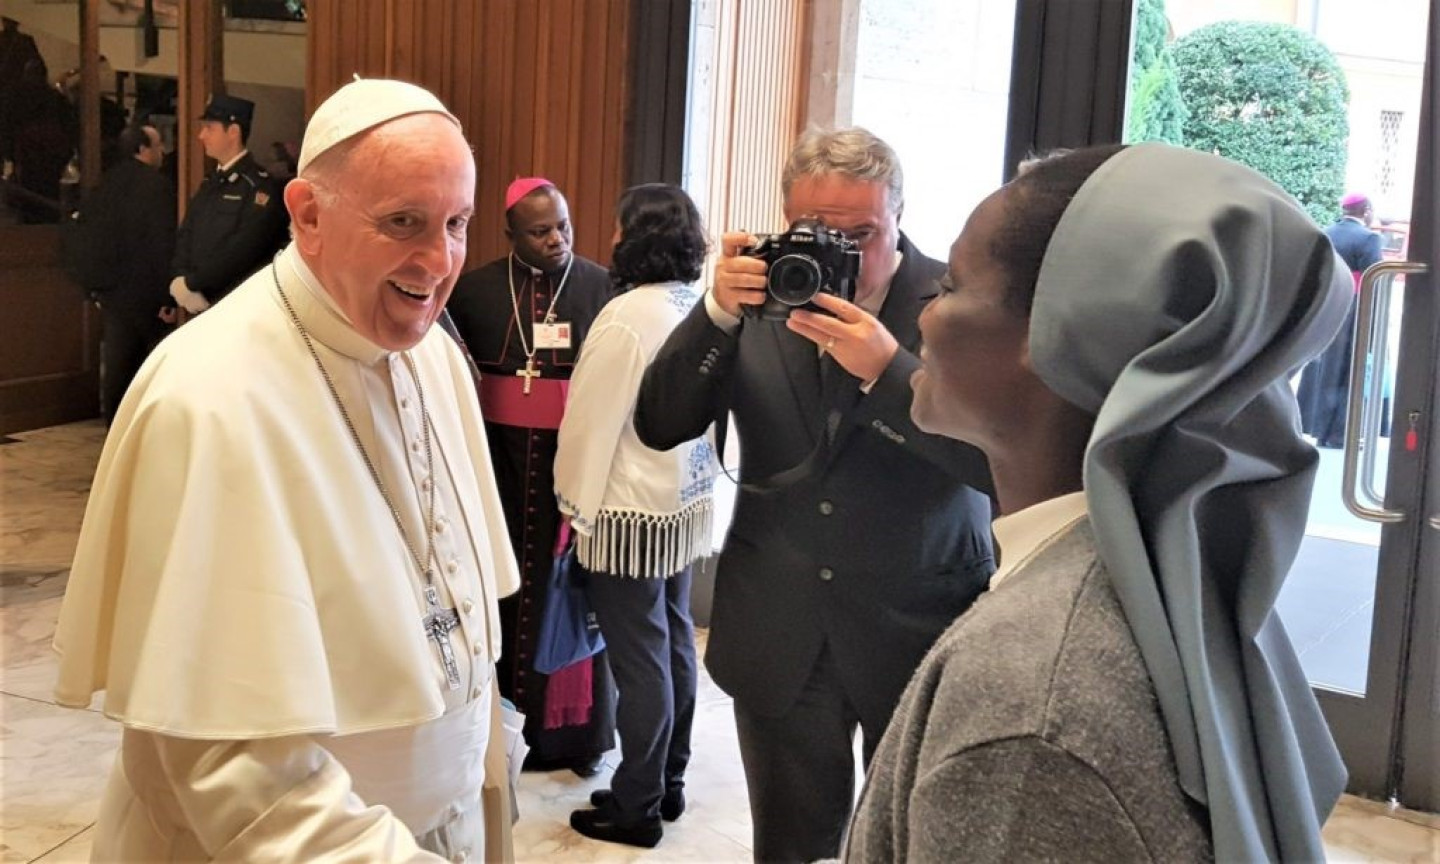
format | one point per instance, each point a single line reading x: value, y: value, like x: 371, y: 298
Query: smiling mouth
x: 411, y: 291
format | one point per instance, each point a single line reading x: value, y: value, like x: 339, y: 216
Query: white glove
x: 192, y: 301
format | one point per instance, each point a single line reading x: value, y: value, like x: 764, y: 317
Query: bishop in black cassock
x: 501, y: 311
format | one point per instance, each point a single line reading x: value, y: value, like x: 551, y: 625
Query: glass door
x: 932, y: 78
x: 1331, y: 100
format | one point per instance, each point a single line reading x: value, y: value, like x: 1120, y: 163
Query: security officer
x: 236, y: 221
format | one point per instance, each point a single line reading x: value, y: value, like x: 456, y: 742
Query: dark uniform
x: 524, y: 460
x: 234, y: 225
x: 1325, y: 383
x: 132, y: 216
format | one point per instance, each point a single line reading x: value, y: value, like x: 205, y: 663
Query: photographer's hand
x: 855, y: 338
x: 739, y: 280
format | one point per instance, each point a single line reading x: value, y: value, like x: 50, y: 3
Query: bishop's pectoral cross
x: 528, y: 373
x: 438, y: 625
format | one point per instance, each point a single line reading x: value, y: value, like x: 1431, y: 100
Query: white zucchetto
x: 360, y: 105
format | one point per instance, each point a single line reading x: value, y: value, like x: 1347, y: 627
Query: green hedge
x: 1272, y: 97
x: 1157, y: 110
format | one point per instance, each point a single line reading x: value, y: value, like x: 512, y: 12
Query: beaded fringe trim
x: 647, y: 545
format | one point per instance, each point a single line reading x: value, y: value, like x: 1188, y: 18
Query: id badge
x: 553, y: 335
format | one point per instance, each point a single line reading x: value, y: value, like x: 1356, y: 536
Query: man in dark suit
x: 1325, y: 383
x: 856, y: 538
x: 131, y: 217
x: 237, y: 220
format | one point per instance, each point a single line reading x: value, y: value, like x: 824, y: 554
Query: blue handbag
x: 569, y: 631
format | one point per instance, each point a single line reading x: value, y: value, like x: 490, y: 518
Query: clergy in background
x: 524, y: 318
x: 287, y: 577
x: 1324, y: 392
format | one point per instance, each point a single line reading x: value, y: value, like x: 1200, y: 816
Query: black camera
x: 804, y: 261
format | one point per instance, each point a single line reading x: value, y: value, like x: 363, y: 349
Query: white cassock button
x: 475, y: 694
x: 440, y: 526
x: 475, y: 648
x: 461, y: 857
x: 404, y: 403
x: 415, y: 446
x: 425, y: 485
x: 468, y: 606
x: 451, y: 567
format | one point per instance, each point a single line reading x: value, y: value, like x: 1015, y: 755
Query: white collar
x: 321, y: 314
x: 1026, y: 533
x: 231, y: 164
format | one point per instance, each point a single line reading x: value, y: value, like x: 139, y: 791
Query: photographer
x: 856, y: 538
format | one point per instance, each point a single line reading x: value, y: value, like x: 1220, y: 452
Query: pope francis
x: 287, y: 576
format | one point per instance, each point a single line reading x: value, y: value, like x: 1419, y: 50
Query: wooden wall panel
x: 202, y: 64
x: 49, y: 353
x: 89, y: 94
x: 541, y: 87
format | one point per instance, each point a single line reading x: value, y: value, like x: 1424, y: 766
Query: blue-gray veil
x: 1178, y: 294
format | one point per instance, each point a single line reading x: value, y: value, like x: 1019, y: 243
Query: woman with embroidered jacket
x: 641, y: 517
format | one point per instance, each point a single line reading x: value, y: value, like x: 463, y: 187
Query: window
x: 1389, y: 151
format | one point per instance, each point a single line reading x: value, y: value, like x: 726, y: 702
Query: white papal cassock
x: 242, y: 594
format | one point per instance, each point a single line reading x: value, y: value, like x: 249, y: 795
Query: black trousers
x: 650, y: 640
x: 125, y: 342
x: 800, y: 768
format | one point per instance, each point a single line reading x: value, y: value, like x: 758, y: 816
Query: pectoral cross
x: 438, y: 625
x: 527, y: 373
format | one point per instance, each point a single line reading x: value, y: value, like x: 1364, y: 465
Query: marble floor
x: 53, y: 761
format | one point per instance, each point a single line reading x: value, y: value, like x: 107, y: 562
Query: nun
x: 1116, y: 331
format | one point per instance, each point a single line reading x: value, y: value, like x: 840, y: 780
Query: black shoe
x: 584, y: 767
x: 672, y: 805
x: 600, y: 824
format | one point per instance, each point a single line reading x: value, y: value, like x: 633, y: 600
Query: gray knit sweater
x: 1031, y: 732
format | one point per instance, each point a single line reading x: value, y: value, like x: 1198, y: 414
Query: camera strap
x: 809, y: 467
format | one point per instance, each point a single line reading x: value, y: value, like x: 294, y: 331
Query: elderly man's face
x: 153, y: 153
x: 861, y: 210
x: 389, y: 244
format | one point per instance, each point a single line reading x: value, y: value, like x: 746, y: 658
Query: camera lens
x: 794, y: 279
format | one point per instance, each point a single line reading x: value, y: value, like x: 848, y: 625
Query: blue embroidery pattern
x: 683, y: 298
x: 701, y: 477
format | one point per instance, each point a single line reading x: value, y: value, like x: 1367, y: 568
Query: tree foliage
x: 1151, y: 32
x: 1157, y: 109
x: 1272, y: 97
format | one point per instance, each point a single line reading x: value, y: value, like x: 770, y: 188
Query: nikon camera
x: 804, y: 261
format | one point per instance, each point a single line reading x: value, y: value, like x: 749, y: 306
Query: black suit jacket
x: 852, y: 528
x: 1358, y: 245
x: 132, y: 216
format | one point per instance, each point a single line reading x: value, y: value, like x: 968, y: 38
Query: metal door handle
x: 1362, y: 420
x: 1375, y: 407
x: 1435, y: 522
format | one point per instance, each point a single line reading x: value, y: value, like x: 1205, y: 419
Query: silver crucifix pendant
x: 438, y: 625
